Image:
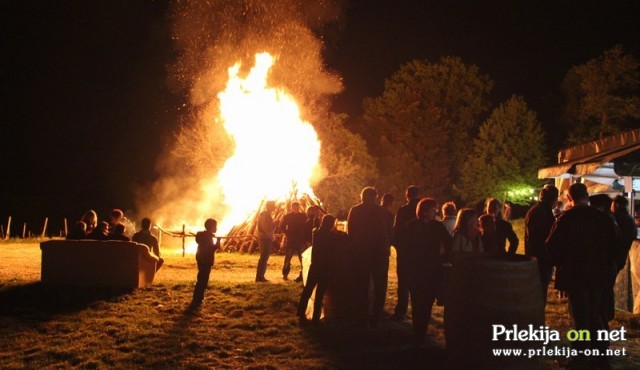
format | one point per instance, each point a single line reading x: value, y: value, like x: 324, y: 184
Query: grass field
x: 240, y: 325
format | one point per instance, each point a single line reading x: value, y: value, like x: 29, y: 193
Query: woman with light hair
x: 466, y: 235
x: 90, y: 218
x: 449, y: 216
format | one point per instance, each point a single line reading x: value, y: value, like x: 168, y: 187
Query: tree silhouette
x: 420, y: 127
x: 506, y: 155
x: 602, y: 96
x: 346, y: 164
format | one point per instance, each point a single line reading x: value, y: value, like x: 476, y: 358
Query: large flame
x: 274, y: 148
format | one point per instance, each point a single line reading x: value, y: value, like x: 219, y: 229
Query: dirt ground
x: 256, y: 323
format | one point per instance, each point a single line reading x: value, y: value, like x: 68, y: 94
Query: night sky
x: 87, y: 110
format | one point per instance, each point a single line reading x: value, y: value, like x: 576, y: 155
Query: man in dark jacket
x: 537, y: 226
x: 603, y: 203
x: 293, y: 227
x: 405, y: 213
x: 582, y: 245
x: 205, y: 258
x: 628, y: 228
x: 425, y: 243
x: 145, y: 237
x: 370, y: 231
x: 504, y: 230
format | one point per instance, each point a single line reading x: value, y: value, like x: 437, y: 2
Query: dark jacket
x: 628, y: 233
x: 582, y: 245
x: 369, y: 229
x: 76, y: 235
x: 145, y: 237
x: 98, y: 234
x: 422, y: 243
x: 325, y: 244
x: 491, y: 244
x: 293, y: 226
x: 309, y: 226
x: 206, y: 247
x: 119, y: 237
x: 504, y: 232
x: 537, y: 226
x: 404, y: 214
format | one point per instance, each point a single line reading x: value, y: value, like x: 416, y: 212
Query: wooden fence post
x: 24, y: 230
x: 8, y: 233
x: 184, y: 235
x: 66, y: 228
x: 44, y: 229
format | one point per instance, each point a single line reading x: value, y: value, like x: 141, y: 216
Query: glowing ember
x: 275, y: 148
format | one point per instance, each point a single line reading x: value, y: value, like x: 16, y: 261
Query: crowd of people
x: 585, y: 241
x: 88, y: 227
x: 588, y: 244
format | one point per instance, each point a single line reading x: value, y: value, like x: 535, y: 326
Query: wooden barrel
x: 485, y: 291
x: 341, y: 301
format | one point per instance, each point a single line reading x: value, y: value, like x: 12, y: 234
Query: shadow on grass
x: 39, y: 301
x: 388, y: 346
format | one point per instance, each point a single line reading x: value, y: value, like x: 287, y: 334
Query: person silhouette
x: 325, y: 241
x: 293, y: 227
x: 266, y: 229
x: 426, y: 241
x: 145, y: 237
x: 205, y: 257
x: 405, y: 213
x: 370, y: 230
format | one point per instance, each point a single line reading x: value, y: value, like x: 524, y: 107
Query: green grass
x: 240, y: 325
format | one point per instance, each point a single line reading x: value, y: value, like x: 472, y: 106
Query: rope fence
x: 187, y: 234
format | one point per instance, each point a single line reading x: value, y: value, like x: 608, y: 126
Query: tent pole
x: 630, y: 297
x: 632, y: 208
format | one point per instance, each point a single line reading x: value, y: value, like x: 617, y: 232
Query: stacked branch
x: 244, y: 237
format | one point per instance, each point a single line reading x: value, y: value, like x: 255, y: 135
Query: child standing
x: 205, y: 258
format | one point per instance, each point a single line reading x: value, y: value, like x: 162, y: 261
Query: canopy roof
x: 607, y: 158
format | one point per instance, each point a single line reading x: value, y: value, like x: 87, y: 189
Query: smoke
x: 213, y: 35
x: 209, y: 37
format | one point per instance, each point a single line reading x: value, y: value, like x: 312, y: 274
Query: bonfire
x: 242, y: 237
x: 259, y: 118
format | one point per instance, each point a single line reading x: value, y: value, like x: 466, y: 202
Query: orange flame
x: 275, y: 148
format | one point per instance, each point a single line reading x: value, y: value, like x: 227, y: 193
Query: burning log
x: 251, y: 229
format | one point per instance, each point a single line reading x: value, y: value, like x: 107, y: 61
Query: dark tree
x: 421, y: 125
x: 602, y: 96
x: 346, y: 164
x: 506, y: 155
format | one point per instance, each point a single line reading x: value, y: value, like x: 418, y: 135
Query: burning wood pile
x: 243, y: 237
x: 255, y: 115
